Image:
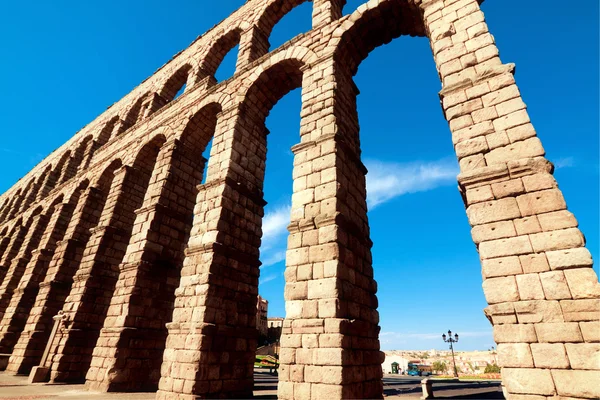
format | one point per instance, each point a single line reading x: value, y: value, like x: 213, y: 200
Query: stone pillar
x: 93, y: 284
x: 542, y: 291
x: 32, y: 195
x: 120, y: 127
x: 19, y: 263
x: 254, y: 43
x: 16, y: 205
x: 4, y: 242
x: 6, y: 210
x: 57, y: 282
x: 129, y: 352
x: 88, y: 155
x: 212, y: 340
x: 152, y: 104
x: 326, y: 11
x: 329, y: 342
x: 16, y: 314
x: 13, y: 249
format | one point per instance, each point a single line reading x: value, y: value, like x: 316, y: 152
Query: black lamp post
x: 451, y: 341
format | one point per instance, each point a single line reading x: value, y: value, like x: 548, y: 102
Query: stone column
x: 93, y: 284
x: 326, y: 11
x: 4, y: 242
x: 152, y: 104
x: 542, y: 291
x: 120, y: 127
x: 329, y: 342
x: 129, y: 352
x: 57, y: 282
x: 16, y: 314
x: 254, y: 43
x: 212, y: 340
x: 19, y: 252
x: 88, y: 155
x: 32, y: 195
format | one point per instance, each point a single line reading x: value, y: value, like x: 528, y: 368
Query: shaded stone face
x: 157, y: 274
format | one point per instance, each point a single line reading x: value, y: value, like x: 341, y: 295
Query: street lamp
x: 451, y: 341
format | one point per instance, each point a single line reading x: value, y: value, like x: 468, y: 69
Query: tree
x: 440, y: 366
x: 492, y: 369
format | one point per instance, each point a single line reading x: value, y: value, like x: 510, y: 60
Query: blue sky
x: 64, y: 62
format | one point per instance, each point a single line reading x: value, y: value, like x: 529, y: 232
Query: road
x: 399, y: 386
x: 265, y: 387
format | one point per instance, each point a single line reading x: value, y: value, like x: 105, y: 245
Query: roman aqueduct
x: 156, y: 275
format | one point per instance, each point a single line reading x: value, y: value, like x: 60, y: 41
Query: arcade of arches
x: 155, y: 273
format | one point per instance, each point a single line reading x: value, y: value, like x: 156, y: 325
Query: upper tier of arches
x: 193, y: 70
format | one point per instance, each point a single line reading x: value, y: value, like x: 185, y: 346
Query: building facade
x: 156, y: 274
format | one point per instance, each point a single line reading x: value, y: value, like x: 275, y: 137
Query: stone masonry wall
x: 157, y: 272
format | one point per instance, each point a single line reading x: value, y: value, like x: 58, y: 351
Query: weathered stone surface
x: 503, y: 266
x: 581, y: 310
x: 559, y: 332
x: 555, y: 285
x: 582, y: 384
x: 528, y: 381
x: 570, y: 258
x: 584, y: 355
x: 590, y: 331
x: 530, y: 287
x: 549, y: 355
x: 515, y: 333
x: 500, y: 290
x: 583, y: 283
x: 516, y: 355
x: 505, y: 247
x: 557, y: 240
x: 535, y: 311
x: 492, y: 211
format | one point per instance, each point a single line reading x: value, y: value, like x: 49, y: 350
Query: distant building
x: 275, y: 326
x: 391, y: 358
x: 262, y: 307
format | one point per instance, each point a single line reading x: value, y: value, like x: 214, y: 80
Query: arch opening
x: 284, y: 20
x: 223, y: 57
x: 176, y: 85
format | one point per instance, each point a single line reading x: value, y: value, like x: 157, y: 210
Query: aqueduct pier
x: 157, y: 274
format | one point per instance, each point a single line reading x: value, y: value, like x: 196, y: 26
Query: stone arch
x: 5, y: 204
x: 76, y: 159
x: 20, y: 203
x: 372, y: 25
x: 266, y: 20
x: 133, y: 114
x: 6, y: 209
x: 217, y: 52
x: 54, y: 177
x: 107, y: 131
x: 295, y: 58
x: 102, y: 180
x: 14, y: 205
x: 35, y: 191
x: 179, y: 79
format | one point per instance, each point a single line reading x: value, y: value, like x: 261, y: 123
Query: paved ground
x: 17, y: 388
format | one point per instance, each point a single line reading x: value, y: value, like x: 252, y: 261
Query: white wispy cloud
x: 274, y: 239
x: 272, y: 258
x: 268, y: 278
x: 387, y: 180
x: 275, y: 225
x: 564, y: 162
